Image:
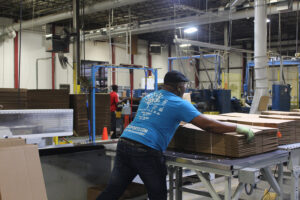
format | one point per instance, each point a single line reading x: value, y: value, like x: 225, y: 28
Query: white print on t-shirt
x: 137, y: 130
x: 155, y: 105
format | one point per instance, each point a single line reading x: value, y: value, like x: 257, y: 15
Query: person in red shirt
x: 114, y: 100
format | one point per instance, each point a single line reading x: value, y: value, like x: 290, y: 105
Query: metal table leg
x: 178, y: 185
x: 295, y: 185
x: 171, y: 182
x: 266, y: 171
x: 227, y: 188
x: 208, y: 186
x: 280, y: 178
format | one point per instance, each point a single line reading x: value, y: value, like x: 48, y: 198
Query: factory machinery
x: 281, y: 92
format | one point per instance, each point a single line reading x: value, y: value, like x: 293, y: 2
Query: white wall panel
x: 7, y: 63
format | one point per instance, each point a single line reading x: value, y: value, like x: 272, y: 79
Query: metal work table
x: 247, y: 169
x: 294, y: 167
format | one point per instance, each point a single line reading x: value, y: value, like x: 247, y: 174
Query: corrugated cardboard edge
x: 11, y: 142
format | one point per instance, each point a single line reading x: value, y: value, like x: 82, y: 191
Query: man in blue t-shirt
x: 140, y: 148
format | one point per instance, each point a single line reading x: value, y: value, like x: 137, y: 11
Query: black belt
x: 132, y: 142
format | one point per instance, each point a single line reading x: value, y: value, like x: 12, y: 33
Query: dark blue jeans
x: 135, y: 159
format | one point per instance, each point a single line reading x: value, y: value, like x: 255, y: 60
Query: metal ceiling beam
x: 209, y: 45
x: 207, y: 18
x: 102, y: 6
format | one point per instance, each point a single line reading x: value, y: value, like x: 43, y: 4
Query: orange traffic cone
x: 104, y: 134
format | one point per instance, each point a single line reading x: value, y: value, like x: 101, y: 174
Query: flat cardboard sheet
x: 21, y: 174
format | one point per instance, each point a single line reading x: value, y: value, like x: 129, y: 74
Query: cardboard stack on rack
x: 21, y: 174
x: 78, y: 103
x: 48, y: 99
x: 287, y: 128
x: 189, y: 138
x: 13, y: 98
x: 286, y: 117
x: 280, y: 113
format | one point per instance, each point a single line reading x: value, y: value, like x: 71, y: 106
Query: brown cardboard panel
x: 263, y: 103
x: 11, y: 142
x: 133, y: 190
x: 21, y: 173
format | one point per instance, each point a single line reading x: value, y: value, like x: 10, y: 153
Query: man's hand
x: 248, y: 132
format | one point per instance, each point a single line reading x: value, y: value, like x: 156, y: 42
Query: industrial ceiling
x: 241, y: 31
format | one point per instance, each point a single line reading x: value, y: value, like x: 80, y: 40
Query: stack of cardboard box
x: 189, y: 138
x: 48, y: 99
x: 13, y: 98
x: 81, y: 112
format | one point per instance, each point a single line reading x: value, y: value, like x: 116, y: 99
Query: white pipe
x: 260, y: 54
x: 67, y: 15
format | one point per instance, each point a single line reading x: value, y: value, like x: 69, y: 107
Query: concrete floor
x: 218, y: 184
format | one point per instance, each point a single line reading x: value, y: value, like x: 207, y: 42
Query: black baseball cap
x: 175, y: 77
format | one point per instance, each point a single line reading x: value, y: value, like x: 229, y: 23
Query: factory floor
x: 218, y: 184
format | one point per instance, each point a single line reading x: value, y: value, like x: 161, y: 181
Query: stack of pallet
x: 48, y: 99
x: 296, y: 139
x: 78, y: 103
x: 189, y: 138
x: 13, y: 98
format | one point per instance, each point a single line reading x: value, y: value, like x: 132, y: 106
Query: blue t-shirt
x: 157, y: 119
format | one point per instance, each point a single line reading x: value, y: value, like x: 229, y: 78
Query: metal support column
x: 76, y: 45
x: 16, y: 61
x: 93, y: 98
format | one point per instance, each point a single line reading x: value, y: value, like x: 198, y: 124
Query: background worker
x: 140, y: 148
x: 114, y: 100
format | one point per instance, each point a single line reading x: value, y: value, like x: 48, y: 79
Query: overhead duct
x: 102, y: 6
x: 260, y: 54
x: 207, y: 18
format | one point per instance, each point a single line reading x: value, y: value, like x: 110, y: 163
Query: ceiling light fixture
x: 184, y: 45
x: 190, y: 30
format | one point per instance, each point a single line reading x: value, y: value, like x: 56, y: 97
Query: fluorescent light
x: 184, y: 45
x: 190, y: 30
x: 267, y: 20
